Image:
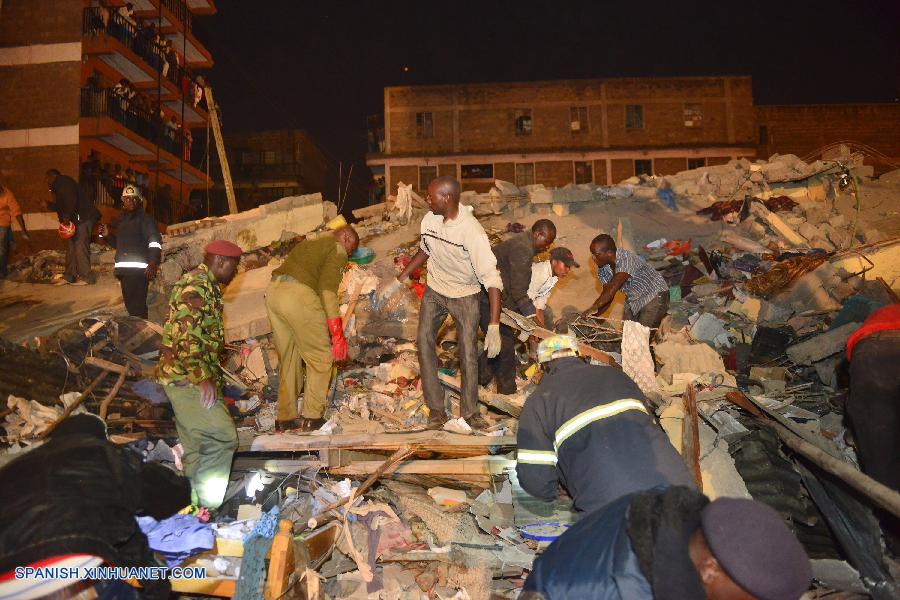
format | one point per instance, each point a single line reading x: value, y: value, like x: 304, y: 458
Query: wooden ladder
x: 220, y: 148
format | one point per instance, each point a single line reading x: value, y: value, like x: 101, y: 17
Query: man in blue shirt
x: 646, y: 291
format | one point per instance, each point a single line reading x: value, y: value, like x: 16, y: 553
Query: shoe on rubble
x: 290, y: 425
x: 79, y: 282
x: 62, y: 281
x: 436, y: 421
x: 476, y: 421
x: 307, y: 424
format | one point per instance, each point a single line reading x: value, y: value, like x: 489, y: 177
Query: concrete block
x: 808, y: 230
x: 522, y: 211
x: 818, y: 242
x: 544, y: 210
x: 821, y: 346
x: 840, y: 238
x: 561, y: 210
x: 817, y: 214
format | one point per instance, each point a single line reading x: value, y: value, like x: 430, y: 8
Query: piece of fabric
x: 637, y: 362
x: 460, y: 260
x: 587, y: 427
x: 209, y: 440
x: 194, y: 334
x: 303, y: 345
x: 253, y: 564
x: 652, y: 314
x: 137, y: 241
x: 178, y: 537
x: 432, y: 313
x: 883, y: 319
x: 660, y: 525
x: 318, y: 264
x: 542, y: 282
x: 150, y: 390
x: 134, y: 291
x: 643, y: 283
x: 9, y: 207
x: 514, y: 259
x: 592, y: 559
x: 874, y: 405
x: 503, y: 366
x: 79, y: 494
x: 78, y: 253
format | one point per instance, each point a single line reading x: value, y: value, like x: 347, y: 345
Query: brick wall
x: 24, y: 169
x: 621, y: 169
x: 555, y: 173
x: 448, y: 170
x: 505, y: 171
x: 405, y: 174
x: 486, y: 114
x: 600, y: 172
x: 803, y: 129
x: 669, y: 166
x: 44, y: 95
x: 25, y: 22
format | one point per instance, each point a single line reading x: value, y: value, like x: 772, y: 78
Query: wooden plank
x: 426, y: 441
x: 501, y: 402
x: 690, y: 436
x: 541, y: 333
x: 479, y: 465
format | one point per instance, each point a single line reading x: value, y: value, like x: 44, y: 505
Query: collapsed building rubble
x: 744, y: 374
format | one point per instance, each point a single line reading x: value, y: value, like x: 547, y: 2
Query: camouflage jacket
x: 194, y: 334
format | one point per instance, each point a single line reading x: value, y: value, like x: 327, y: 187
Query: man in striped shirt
x: 588, y: 428
x: 646, y: 291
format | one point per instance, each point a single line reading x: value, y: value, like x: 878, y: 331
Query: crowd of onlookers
x: 145, y: 39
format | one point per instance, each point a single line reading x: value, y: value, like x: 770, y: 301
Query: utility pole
x: 220, y: 147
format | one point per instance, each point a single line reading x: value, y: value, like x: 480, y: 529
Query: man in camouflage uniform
x: 190, y: 371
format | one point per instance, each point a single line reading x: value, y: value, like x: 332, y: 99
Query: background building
x: 557, y: 132
x: 268, y: 165
x: 106, y: 94
x: 604, y: 131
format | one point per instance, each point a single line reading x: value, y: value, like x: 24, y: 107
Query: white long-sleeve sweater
x: 460, y: 259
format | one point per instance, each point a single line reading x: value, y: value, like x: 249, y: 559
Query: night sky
x: 322, y: 65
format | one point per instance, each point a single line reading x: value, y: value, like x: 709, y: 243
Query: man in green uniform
x: 303, y: 309
x: 190, y: 371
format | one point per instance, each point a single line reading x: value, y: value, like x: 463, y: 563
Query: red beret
x: 223, y: 248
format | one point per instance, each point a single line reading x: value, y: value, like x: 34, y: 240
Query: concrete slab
x: 245, y: 305
x: 821, y: 346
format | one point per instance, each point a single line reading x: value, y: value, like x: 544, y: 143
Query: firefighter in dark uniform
x: 138, y: 245
x: 589, y: 428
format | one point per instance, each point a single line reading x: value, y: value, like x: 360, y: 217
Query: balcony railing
x: 101, y: 21
x: 181, y: 11
x: 107, y: 191
x: 106, y: 103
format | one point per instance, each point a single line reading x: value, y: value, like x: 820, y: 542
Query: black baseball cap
x: 564, y: 255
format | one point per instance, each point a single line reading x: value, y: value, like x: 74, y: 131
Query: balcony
x: 132, y: 129
x: 134, y: 53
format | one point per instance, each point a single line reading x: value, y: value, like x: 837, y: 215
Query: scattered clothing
x: 177, y: 538
x: 588, y: 427
x: 542, y: 283
x: 253, y: 565
x: 643, y: 285
x: 637, y: 362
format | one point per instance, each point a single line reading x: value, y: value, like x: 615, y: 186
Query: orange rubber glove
x: 338, y: 342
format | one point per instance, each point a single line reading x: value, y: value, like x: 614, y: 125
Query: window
x: 634, y: 116
x: 523, y: 121
x: 763, y: 134
x: 693, y: 114
x: 584, y: 172
x: 696, y: 163
x: 643, y: 167
x: 578, y: 119
x: 476, y: 171
x: 426, y: 174
x: 524, y: 174
x: 424, y: 125
x: 270, y: 157
x: 249, y: 158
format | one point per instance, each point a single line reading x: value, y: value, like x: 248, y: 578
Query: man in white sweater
x: 460, y: 262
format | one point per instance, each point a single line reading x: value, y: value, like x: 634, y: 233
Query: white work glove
x: 492, y: 340
x: 388, y: 291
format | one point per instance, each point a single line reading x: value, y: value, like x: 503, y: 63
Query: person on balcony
x: 138, y: 246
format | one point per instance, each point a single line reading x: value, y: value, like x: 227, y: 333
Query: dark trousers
x: 651, y: 315
x: 874, y: 405
x: 432, y: 312
x: 134, y: 291
x: 78, y: 253
x: 4, y: 250
x: 502, y: 366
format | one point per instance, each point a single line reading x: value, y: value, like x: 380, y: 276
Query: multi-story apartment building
x: 108, y: 92
x: 268, y: 165
x: 558, y: 132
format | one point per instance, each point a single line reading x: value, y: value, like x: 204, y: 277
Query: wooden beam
x: 480, y: 465
x: 690, y: 436
x: 541, y: 333
x: 440, y: 442
x: 501, y: 402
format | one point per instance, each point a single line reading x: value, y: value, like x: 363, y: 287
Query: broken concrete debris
x: 752, y: 308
